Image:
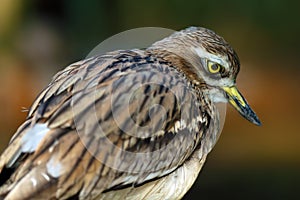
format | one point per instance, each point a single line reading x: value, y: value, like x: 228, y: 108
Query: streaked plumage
x: 133, y: 124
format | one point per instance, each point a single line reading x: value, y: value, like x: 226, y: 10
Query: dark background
x: 39, y: 37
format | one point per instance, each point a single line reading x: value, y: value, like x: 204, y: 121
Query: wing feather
x: 114, y: 120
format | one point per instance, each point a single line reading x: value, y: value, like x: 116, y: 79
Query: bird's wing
x: 103, y: 123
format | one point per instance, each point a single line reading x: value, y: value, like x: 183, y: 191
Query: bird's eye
x: 213, y: 67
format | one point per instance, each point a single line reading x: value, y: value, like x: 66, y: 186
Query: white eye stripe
x: 202, y: 53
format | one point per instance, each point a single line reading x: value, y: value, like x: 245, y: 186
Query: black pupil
x: 215, y: 67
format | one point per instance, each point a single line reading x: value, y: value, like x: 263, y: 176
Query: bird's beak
x: 240, y: 104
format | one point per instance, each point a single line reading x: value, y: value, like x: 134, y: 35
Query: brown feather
x: 105, y: 138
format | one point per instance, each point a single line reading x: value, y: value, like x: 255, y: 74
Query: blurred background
x: 40, y: 37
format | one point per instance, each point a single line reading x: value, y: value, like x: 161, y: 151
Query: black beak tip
x: 254, y: 119
x: 257, y: 122
x: 250, y: 115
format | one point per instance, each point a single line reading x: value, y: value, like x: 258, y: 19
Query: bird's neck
x: 179, y: 59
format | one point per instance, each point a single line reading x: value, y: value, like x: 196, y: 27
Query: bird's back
x: 115, y: 124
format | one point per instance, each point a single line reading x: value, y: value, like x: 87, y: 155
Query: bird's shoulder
x: 122, y: 118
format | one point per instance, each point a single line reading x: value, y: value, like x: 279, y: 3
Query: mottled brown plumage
x: 133, y: 124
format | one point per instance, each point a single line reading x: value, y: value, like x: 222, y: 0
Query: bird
x: 127, y: 124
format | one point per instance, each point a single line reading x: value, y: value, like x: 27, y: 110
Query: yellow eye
x: 213, y: 67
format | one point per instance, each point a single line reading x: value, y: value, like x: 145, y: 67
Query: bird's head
x: 210, y: 62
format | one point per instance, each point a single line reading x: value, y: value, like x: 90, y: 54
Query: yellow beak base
x: 236, y: 99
